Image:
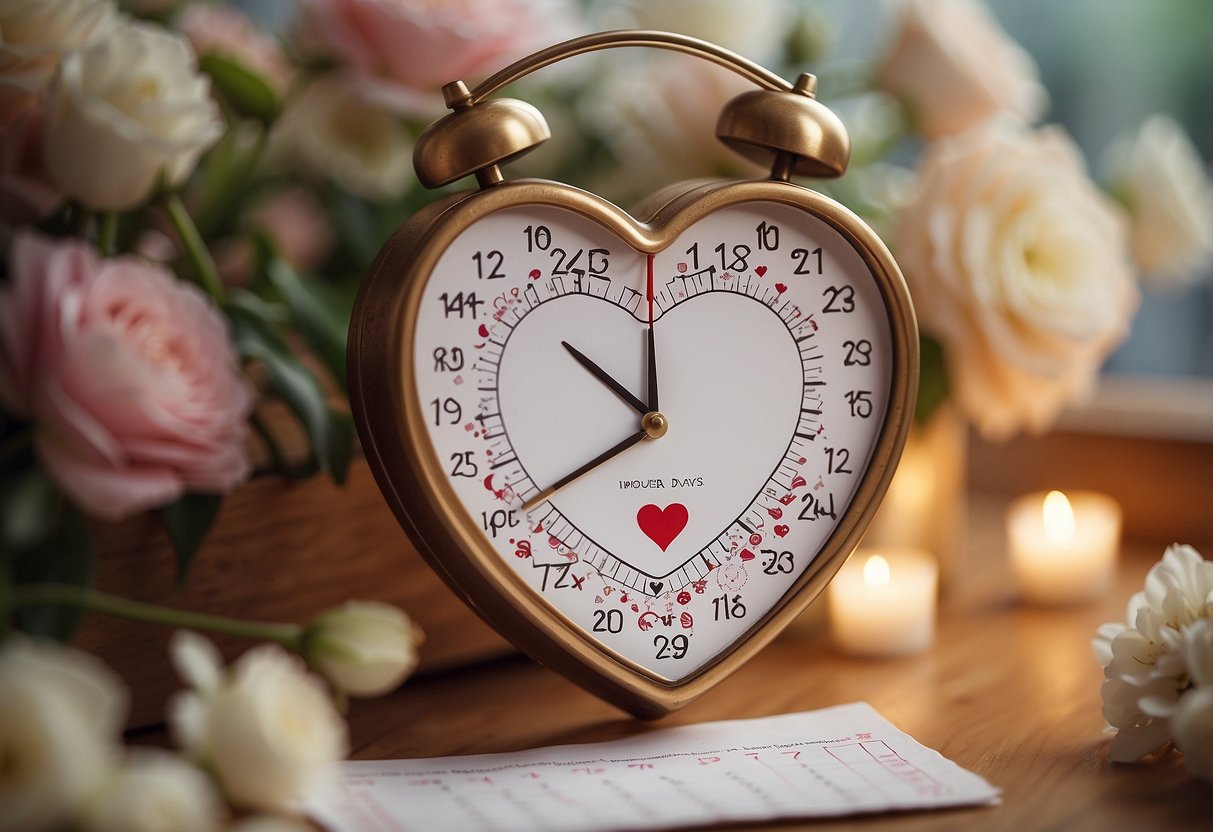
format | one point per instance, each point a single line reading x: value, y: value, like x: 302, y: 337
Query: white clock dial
x: 772, y: 355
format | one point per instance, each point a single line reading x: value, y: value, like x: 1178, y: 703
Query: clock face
x: 659, y: 445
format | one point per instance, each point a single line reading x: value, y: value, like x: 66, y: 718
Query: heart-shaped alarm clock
x: 637, y: 446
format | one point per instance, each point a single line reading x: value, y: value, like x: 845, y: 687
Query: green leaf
x: 187, y: 522
x: 246, y: 92
x: 66, y: 557
x: 29, y: 508
x: 330, y: 431
x: 317, y: 311
x: 933, y: 386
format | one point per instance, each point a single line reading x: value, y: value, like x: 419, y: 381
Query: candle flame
x: 876, y: 571
x: 1058, y: 518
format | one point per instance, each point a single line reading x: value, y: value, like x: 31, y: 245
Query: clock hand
x: 585, y: 469
x: 600, y: 374
x: 653, y: 404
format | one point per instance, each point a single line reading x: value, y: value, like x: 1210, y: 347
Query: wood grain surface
x: 1008, y: 691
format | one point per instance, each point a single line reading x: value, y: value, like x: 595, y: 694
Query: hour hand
x: 601, y: 374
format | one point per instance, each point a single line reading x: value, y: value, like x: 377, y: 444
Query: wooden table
x: 1010, y: 692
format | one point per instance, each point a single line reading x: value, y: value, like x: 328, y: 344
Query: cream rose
x: 61, y: 714
x: 125, y: 114
x: 1162, y: 179
x: 364, y: 648
x: 265, y: 727
x: 153, y: 791
x: 952, y: 65
x: 1020, y: 267
x: 34, y: 35
x: 353, y: 142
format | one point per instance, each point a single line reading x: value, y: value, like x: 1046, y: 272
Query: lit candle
x: 1064, y: 549
x: 883, y: 604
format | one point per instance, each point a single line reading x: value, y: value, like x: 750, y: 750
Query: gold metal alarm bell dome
x: 475, y: 139
x: 791, y: 131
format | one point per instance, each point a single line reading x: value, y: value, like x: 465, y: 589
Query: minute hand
x: 653, y: 403
x: 584, y: 469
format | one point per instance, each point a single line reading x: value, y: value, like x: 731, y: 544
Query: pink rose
x: 26, y: 193
x: 953, y: 66
x: 401, y: 52
x: 298, y: 224
x: 128, y: 375
x: 228, y: 31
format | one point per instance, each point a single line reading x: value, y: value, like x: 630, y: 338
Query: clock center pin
x: 655, y: 424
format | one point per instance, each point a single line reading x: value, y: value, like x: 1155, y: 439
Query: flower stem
x: 15, y: 444
x: 195, y: 249
x: 65, y: 595
x: 108, y: 233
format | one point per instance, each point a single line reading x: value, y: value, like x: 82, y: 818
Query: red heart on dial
x: 781, y: 288
x: 662, y: 525
x: 781, y: 531
x: 535, y: 274
x: 761, y: 270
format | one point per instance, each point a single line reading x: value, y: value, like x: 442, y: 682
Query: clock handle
x: 780, y: 123
x: 622, y: 38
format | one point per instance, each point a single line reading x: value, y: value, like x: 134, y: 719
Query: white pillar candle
x: 882, y: 602
x: 1063, y: 549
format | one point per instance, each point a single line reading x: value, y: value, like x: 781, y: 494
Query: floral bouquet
x: 189, y: 196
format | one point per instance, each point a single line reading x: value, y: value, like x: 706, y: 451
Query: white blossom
x: 266, y: 728
x: 364, y: 648
x: 61, y: 714
x: 154, y: 791
x: 1158, y: 667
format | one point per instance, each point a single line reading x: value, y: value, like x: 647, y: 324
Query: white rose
x: 953, y: 66
x: 357, y: 145
x: 659, y: 116
x: 61, y: 714
x: 1019, y: 266
x: 34, y: 35
x: 364, y: 648
x: 1162, y: 179
x: 125, y: 112
x: 154, y: 790
x: 270, y: 823
x: 266, y: 728
x: 755, y: 29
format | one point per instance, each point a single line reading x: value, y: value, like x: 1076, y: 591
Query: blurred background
x: 1107, y: 65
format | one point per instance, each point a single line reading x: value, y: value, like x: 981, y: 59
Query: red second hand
x: 650, y: 290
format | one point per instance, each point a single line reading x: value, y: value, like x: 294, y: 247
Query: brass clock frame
x: 387, y: 408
